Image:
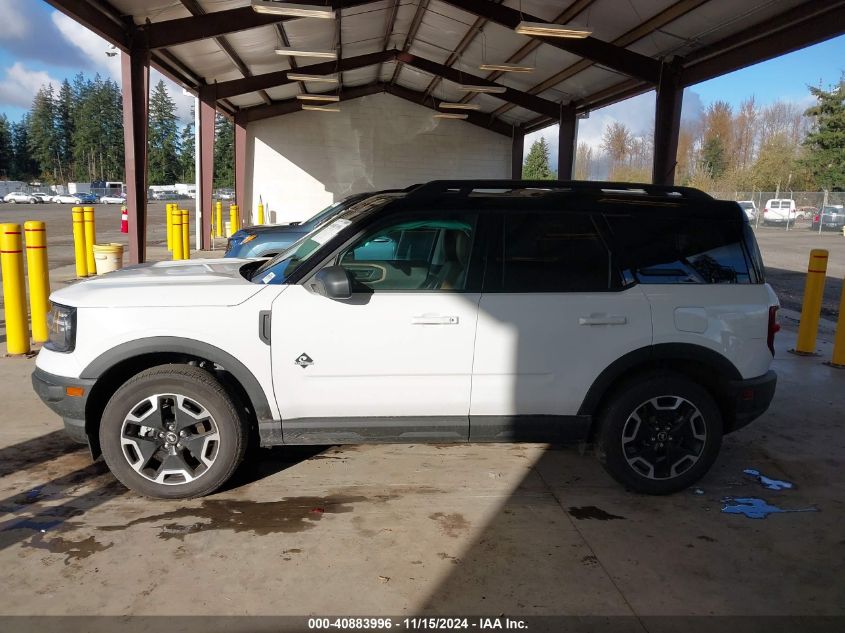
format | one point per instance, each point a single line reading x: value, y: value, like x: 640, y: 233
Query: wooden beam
x: 288, y: 106
x: 669, y: 14
x: 566, y: 142
x: 409, y: 39
x: 184, y: 30
x: 476, y: 118
x: 244, y: 214
x: 807, y: 24
x: 522, y: 99
x: 517, y: 150
x: 667, y: 124
x: 104, y: 25
x: 135, y: 81
x: 599, y: 51
x: 389, y: 25
x: 205, y: 133
x: 279, y: 78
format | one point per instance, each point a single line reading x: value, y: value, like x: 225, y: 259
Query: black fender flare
x: 189, y: 347
x: 721, y: 366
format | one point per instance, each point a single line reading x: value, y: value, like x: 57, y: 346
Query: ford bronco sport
x: 632, y: 317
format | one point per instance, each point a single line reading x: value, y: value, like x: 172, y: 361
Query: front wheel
x: 172, y: 432
x: 659, y: 434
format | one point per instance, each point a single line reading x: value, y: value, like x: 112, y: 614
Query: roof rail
x: 466, y: 187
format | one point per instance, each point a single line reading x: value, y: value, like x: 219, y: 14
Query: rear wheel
x: 659, y: 434
x: 172, y: 432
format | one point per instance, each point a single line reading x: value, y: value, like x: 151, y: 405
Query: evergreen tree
x: 23, y: 166
x: 43, y: 139
x: 224, y: 153
x: 825, y: 144
x: 6, y: 148
x: 65, y: 105
x: 187, y: 155
x: 536, y: 166
x: 163, y: 141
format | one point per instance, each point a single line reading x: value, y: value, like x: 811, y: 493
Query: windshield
x: 280, y: 268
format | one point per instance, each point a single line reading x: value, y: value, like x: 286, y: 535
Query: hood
x: 198, y: 282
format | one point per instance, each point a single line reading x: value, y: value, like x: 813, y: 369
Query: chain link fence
x: 807, y: 204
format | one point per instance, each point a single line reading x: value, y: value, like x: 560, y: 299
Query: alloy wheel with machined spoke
x: 664, y: 437
x: 169, y: 439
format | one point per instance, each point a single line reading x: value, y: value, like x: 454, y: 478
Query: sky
x: 39, y: 45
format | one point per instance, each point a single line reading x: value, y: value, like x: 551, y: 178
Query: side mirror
x: 333, y: 282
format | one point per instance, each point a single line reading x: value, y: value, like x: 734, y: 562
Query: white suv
x: 633, y: 317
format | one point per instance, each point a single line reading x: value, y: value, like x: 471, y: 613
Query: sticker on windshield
x: 321, y: 237
x: 266, y: 279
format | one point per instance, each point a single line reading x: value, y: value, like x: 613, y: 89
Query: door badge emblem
x: 303, y: 360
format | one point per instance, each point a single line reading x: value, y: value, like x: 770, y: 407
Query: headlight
x: 61, y: 321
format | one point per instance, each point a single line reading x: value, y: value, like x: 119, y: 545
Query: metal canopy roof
x: 422, y: 49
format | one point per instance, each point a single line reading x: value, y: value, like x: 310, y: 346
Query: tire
x: 687, y: 434
x: 33, y: 200
x: 13, y: 201
x: 181, y: 396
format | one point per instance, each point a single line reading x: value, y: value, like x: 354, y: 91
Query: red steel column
x: 206, y: 136
x: 667, y: 124
x: 240, y: 172
x: 517, y: 147
x: 135, y: 78
x: 566, y: 140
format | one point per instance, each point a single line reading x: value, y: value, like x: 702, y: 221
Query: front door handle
x: 604, y: 319
x: 427, y: 319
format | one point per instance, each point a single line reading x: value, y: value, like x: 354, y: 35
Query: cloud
x: 19, y: 85
x: 16, y: 25
x: 27, y: 35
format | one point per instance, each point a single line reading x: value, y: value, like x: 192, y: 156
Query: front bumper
x: 52, y: 391
x: 751, y: 398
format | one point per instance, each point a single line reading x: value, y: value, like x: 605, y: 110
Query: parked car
x: 779, y: 211
x: 270, y: 239
x: 68, y: 198
x: 749, y: 207
x: 113, y: 199
x: 42, y: 196
x: 633, y: 316
x: 832, y: 218
x: 226, y: 194
x: 19, y: 196
x: 89, y: 198
x: 806, y: 212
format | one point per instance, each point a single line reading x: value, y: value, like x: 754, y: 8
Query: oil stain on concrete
x: 450, y: 524
x: 73, y: 550
x: 592, y: 512
x: 289, y: 515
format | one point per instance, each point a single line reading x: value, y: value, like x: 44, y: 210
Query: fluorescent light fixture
x: 459, y: 106
x: 296, y: 52
x: 552, y: 30
x: 314, y: 108
x: 324, y: 79
x: 507, y: 68
x: 497, y: 90
x: 318, y: 97
x: 291, y: 9
x: 450, y: 115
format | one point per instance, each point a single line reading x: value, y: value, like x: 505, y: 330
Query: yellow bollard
x: 38, y: 276
x: 79, y: 242
x: 14, y: 293
x: 178, y: 242
x: 811, y: 307
x: 233, y: 218
x: 218, y: 226
x: 838, y: 358
x: 260, y: 213
x: 186, y: 234
x: 90, y: 239
x: 168, y: 210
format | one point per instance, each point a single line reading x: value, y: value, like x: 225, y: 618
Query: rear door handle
x: 608, y: 319
x: 426, y: 319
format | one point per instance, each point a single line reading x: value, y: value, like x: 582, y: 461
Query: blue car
x: 270, y: 239
x: 88, y: 198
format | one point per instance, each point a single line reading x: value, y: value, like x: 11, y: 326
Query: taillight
x: 765, y: 210
x: 774, y: 328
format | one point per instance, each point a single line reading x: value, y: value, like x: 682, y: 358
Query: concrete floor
x: 472, y: 529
